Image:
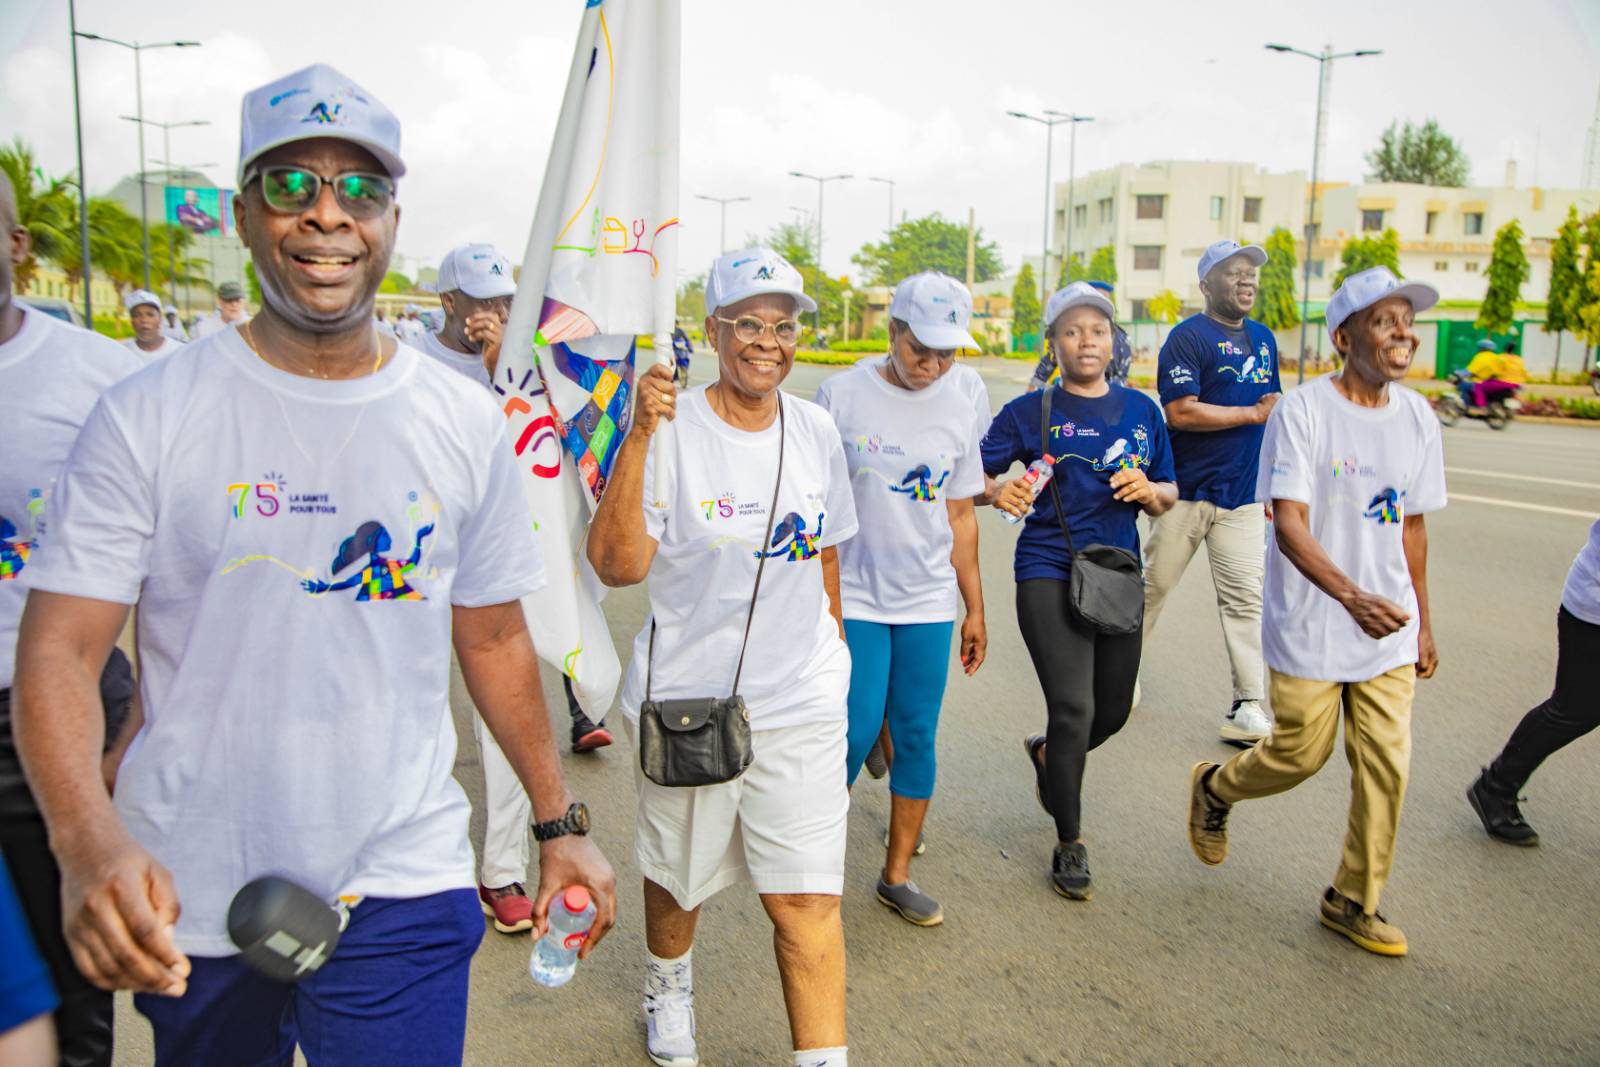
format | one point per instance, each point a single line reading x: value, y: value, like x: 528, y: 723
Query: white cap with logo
x: 1077, y: 294
x: 317, y: 102
x: 141, y: 296
x: 1365, y: 288
x: 1218, y: 251
x: 937, y: 308
x: 478, y: 270
x: 753, y: 272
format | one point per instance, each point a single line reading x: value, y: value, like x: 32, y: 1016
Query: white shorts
x: 781, y: 824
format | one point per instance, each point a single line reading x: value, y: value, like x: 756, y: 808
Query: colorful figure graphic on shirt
x: 379, y: 578
x: 1121, y: 455
x: 802, y: 546
x: 14, y: 551
x: 1386, y: 507
x: 1256, y: 368
x: 916, y: 485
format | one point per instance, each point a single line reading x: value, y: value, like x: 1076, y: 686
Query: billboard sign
x: 203, y: 212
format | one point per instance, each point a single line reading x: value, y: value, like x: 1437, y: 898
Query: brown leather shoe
x: 1208, y: 819
x: 1344, y: 916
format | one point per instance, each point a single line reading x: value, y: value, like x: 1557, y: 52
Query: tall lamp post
x: 138, y: 98
x: 166, y: 151
x: 822, y: 183
x: 1049, y: 120
x: 84, y: 270
x: 181, y: 168
x: 724, y: 201
x: 890, y: 183
x: 1324, y: 60
x: 1072, y: 171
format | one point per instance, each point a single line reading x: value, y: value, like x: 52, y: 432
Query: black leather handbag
x: 1106, y: 590
x: 692, y: 741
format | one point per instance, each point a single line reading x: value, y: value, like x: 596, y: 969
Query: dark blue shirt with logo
x: 1091, y: 438
x: 1230, y: 369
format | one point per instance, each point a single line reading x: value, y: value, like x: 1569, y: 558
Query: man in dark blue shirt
x: 1218, y: 379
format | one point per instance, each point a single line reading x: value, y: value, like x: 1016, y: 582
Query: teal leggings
x: 897, y: 672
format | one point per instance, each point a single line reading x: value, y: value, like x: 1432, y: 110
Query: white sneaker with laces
x: 1246, y: 724
x: 669, y: 1030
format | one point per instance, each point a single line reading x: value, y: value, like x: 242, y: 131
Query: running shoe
x: 1245, y: 724
x: 669, y: 1030
x: 1069, y: 872
x: 1372, y: 932
x: 508, y: 906
x: 914, y: 906
x: 588, y: 736
x: 1502, y: 818
x: 1208, y: 818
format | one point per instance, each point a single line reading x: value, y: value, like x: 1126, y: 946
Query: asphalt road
x: 1172, y: 963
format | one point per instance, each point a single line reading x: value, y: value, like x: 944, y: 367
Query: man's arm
x: 620, y: 548
x: 1291, y: 525
x: 502, y: 676
x: 1415, y: 537
x: 1188, y: 413
x: 118, y: 903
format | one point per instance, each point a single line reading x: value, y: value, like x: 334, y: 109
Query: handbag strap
x: 772, y: 515
x: 1044, y: 448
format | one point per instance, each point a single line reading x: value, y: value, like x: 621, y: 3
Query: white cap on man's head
x: 478, y: 270
x: 937, y: 308
x: 1218, y: 251
x: 1077, y: 294
x: 171, y: 309
x: 753, y: 272
x: 141, y: 296
x: 1365, y: 288
x: 317, y: 102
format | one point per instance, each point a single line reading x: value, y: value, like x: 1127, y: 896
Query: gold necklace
x: 248, y: 332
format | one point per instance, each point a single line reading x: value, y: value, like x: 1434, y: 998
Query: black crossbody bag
x: 703, y: 740
x: 1106, y: 590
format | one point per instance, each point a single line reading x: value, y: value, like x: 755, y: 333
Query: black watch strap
x: 575, y: 821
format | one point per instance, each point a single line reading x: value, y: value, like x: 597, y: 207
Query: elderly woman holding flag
x: 733, y: 507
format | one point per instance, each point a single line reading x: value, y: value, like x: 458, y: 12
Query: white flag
x: 600, y: 269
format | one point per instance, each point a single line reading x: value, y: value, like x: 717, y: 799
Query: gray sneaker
x: 913, y: 904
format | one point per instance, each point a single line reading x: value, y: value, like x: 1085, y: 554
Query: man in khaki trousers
x: 1350, y: 465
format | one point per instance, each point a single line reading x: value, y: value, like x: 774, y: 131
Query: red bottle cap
x: 576, y: 898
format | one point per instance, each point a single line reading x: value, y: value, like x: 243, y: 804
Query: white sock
x: 822, y: 1057
x: 668, y: 976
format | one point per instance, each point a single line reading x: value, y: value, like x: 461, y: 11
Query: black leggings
x: 1572, y: 710
x: 1088, y: 679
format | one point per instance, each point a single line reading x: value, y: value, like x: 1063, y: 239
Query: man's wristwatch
x: 575, y: 821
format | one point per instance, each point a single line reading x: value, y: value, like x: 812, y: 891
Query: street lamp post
x: 1050, y: 120
x: 84, y: 271
x: 724, y: 201
x: 166, y: 150
x: 138, y: 97
x: 1072, y: 171
x: 821, y: 184
x: 188, y: 302
x: 1324, y: 60
x: 890, y: 183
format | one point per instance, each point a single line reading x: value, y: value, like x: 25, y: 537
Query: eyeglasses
x: 293, y: 190
x: 748, y: 329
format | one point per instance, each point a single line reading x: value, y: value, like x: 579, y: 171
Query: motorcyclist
x: 1493, y: 372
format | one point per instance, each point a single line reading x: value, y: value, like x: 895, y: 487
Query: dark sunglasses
x: 293, y: 190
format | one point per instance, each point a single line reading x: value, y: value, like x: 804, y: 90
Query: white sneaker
x: 1246, y: 724
x: 669, y: 1030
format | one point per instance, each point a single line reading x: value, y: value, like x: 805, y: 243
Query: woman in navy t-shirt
x: 1112, y: 460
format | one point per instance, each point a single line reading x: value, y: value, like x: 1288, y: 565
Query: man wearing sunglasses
x: 287, y: 730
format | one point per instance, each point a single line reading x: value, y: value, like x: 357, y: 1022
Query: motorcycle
x: 1500, y: 403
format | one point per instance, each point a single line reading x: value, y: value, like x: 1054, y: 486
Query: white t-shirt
x: 908, y: 451
x: 212, y: 324
x: 717, y: 494
x: 169, y: 345
x: 292, y: 728
x: 54, y: 374
x: 1582, y: 594
x: 460, y: 362
x: 1361, y: 471
x: 411, y: 331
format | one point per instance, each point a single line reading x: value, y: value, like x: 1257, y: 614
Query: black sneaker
x: 1041, y: 778
x: 588, y: 736
x: 1069, y: 872
x: 1502, y: 819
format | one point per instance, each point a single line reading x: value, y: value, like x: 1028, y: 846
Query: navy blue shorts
x: 393, y: 993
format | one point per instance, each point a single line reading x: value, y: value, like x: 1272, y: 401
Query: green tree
x: 44, y: 208
x: 1364, y: 253
x: 1565, y: 280
x: 1276, y: 307
x: 170, y: 260
x: 395, y: 282
x: 791, y: 240
x: 1164, y: 307
x: 115, y: 244
x: 1103, y: 265
x: 1508, y: 270
x: 1073, y: 269
x: 691, y: 306
x: 1423, y: 155
x: 1583, y: 309
x: 929, y: 243
x: 1025, y: 310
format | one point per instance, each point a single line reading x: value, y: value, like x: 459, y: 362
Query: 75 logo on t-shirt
x: 719, y: 507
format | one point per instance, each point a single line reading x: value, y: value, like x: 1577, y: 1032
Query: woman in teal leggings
x: 910, y: 424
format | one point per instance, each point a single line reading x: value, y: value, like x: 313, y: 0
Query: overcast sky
x: 913, y: 90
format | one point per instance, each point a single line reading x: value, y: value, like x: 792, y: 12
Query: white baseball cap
x: 1365, y: 288
x: 171, y: 309
x: 317, y: 102
x: 1218, y: 251
x: 141, y: 296
x: 478, y: 270
x: 937, y: 308
x: 1077, y: 294
x: 752, y: 272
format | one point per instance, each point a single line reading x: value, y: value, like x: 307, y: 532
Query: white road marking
x: 1519, y: 504
x: 1515, y: 477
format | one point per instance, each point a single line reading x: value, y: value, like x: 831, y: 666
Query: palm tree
x: 45, y: 208
x: 176, y: 267
x: 114, y: 244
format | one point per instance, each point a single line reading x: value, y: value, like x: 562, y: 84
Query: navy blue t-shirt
x: 1091, y: 438
x: 1201, y: 359
x: 25, y: 989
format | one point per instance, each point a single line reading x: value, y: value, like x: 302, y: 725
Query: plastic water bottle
x: 1036, y: 478
x: 555, y: 955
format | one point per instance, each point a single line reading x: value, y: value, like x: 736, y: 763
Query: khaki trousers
x: 1236, y: 545
x: 1377, y: 742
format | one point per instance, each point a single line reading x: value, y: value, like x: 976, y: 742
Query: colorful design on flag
x: 14, y: 552
x: 594, y: 433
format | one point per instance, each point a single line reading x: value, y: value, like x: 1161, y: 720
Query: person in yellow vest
x: 1491, y: 370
